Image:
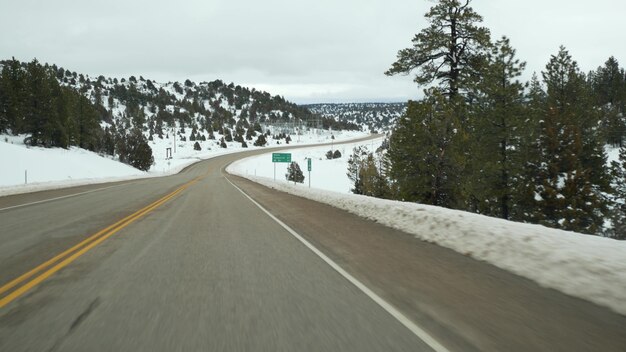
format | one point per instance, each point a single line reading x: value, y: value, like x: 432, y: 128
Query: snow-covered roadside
x: 326, y: 174
x: 589, y: 267
x: 29, y: 169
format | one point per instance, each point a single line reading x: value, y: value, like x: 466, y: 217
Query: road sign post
x: 280, y: 158
x: 309, y: 167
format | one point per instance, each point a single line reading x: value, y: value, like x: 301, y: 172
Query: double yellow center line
x: 47, y: 269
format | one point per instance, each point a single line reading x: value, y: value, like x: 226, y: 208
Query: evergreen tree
x: 618, y: 213
x: 228, y: 135
x: 573, y: 172
x: 14, y: 86
x: 495, y: 130
x: 294, y: 173
x: 449, y: 50
x: 87, y: 123
x: 609, y: 86
x: 133, y: 149
x: 139, y: 151
x: 355, y: 163
x: 39, y: 109
x: 250, y: 134
x: 426, y: 153
x: 260, y: 141
x: 108, y: 141
x: 534, y: 111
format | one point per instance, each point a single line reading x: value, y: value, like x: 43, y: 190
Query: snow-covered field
x: 325, y: 174
x: 589, y: 267
x: 28, y: 169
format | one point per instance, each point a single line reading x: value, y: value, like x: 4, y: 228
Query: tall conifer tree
x: 573, y: 172
x: 449, y: 51
x: 496, y: 125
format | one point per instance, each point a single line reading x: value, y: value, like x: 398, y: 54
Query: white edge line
x: 57, y: 198
x: 419, y: 332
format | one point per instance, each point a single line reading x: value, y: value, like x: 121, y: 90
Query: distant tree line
x: 378, y: 117
x: 482, y: 141
x: 32, y: 102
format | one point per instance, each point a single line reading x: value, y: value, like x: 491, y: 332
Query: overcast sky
x: 308, y: 51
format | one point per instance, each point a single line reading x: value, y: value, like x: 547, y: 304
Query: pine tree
x: 294, y: 173
x: 108, y: 142
x: 228, y: 135
x: 12, y: 108
x: 250, y: 134
x: 139, y: 151
x: 426, y: 153
x: 260, y: 141
x: 87, y: 121
x: 609, y: 86
x: 355, y: 163
x: 449, y: 50
x: 40, y: 113
x: 133, y: 149
x: 530, y: 163
x: 496, y: 125
x: 573, y: 173
x: 618, y: 212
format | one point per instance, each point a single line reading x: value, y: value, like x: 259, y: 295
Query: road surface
x: 190, y: 263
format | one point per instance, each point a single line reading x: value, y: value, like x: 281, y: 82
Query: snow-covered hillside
x: 378, y: 117
x: 202, y: 106
x: 585, y: 266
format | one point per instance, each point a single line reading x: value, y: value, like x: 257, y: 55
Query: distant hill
x: 57, y: 107
x: 378, y: 117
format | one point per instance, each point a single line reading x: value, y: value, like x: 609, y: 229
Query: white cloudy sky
x: 308, y: 51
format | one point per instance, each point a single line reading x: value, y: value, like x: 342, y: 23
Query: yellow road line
x: 86, y: 245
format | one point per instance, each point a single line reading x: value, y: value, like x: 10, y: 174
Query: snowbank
x: 589, y: 267
x: 33, y: 169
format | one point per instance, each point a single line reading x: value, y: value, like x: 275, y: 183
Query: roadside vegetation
x: 483, y: 141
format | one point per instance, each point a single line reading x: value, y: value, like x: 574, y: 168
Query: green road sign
x: 281, y: 157
x: 309, y: 163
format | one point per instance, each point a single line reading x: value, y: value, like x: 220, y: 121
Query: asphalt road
x: 203, y: 268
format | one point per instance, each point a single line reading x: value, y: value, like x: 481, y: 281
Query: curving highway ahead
x: 204, y: 261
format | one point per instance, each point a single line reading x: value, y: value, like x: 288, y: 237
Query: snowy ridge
x: 373, y: 116
x: 585, y: 266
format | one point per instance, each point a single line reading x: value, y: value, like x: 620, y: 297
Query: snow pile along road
x: 589, y: 267
x: 33, y: 169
